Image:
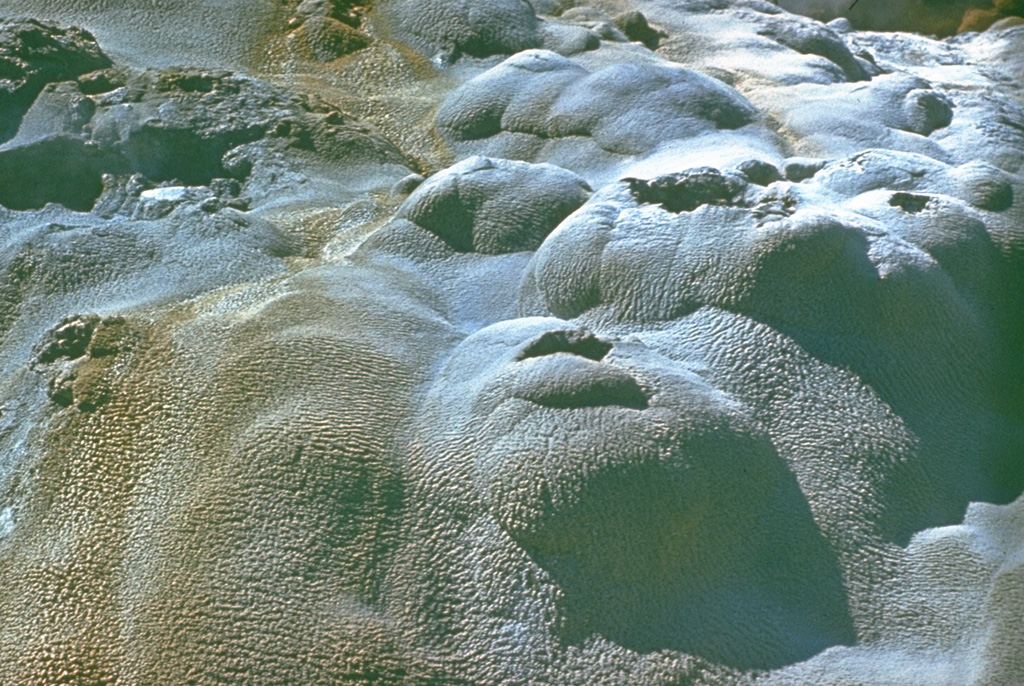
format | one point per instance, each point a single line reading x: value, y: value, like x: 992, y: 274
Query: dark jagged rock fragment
x: 688, y: 190
x: 33, y: 54
x: 634, y: 25
x: 70, y: 340
x: 759, y: 172
x: 800, y: 169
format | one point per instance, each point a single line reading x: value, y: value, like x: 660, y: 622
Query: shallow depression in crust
x: 563, y: 369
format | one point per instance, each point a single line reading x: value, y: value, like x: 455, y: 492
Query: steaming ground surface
x: 504, y: 343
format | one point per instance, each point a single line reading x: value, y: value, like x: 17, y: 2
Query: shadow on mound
x: 751, y: 590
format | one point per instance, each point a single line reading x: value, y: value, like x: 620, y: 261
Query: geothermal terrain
x: 503, y: 342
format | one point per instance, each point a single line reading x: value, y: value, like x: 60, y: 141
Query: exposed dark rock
x: 71, y: 339
x: 182, y: 126
x: 688, y: 190
x: 800, y: 168
x: 759, y: 172
x: 634, y: 25
x: 33, y: 54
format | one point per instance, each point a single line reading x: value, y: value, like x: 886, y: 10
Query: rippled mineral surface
x: 501, y: 342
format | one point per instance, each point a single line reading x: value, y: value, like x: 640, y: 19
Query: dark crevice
x: 573, y: 341
x: 909, y: 202
x: 9, y: 70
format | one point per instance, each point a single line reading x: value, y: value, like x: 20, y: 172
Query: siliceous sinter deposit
x: 637, y: 342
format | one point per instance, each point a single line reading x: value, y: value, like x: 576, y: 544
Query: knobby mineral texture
x: 502, y: 342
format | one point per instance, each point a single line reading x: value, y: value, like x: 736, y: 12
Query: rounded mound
x: 494, y: 206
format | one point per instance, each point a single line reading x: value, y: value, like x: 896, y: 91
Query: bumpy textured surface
x: 503, y: 342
